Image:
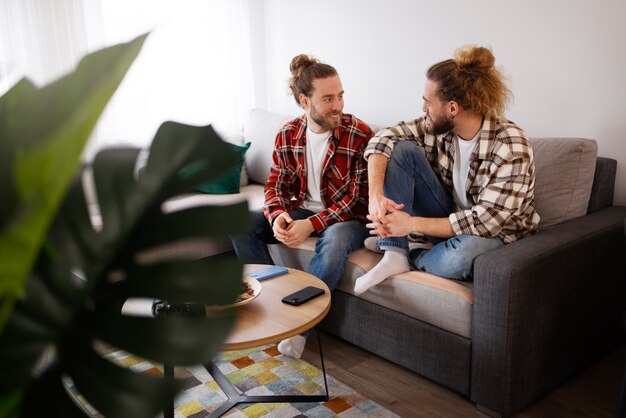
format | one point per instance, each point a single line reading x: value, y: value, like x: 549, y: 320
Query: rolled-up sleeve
x: 382, y: 142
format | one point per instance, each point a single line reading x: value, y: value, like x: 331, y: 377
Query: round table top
x: 266, y: 319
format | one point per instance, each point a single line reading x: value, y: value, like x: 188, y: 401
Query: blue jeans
x: 409, y: 179
x: 334, y: 245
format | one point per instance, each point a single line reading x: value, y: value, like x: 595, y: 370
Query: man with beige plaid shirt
x: 462, y: 177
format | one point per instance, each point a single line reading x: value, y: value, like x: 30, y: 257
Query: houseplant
x: 62, y: 282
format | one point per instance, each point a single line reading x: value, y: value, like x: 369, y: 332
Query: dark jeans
x: 334, y: 245
x: 409, y: 179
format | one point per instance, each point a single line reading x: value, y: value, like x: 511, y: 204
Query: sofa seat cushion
x: 443, y: 303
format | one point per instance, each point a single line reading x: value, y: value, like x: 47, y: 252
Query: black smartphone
x: 303, y: 295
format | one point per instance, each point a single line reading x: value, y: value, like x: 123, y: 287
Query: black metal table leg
x: 234, y: 397
x: 168, y: 372
x: 319, y: 344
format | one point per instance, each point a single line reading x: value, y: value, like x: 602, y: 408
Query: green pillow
x: 229, y: 182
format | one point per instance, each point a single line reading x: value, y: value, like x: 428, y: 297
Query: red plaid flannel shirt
x: 343, y: 188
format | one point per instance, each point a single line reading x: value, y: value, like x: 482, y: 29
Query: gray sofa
x: 543, y: 308
x: 538, y: 310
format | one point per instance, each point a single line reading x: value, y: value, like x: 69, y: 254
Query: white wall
x: 565, y: 59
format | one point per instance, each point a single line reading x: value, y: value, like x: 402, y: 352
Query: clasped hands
x: 290, y: 232
x: 387, y: 218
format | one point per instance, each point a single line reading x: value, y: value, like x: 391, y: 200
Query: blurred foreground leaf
x: 82, y: 259
x: 42, y: 134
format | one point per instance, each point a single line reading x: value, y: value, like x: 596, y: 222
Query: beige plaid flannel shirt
x: 501, y: 180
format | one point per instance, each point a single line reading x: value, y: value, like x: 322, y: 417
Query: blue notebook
x: 267, y: 273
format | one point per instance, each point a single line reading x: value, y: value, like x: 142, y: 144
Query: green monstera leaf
x: 84, y: 274
x: 42, y: 134
x: 89, y: 255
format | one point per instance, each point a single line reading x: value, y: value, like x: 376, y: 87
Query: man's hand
x: 379, y: 208
x: 281, y: 226
x: 290, y: 232
x: 395, y: 223
x: 298, y: 231
x: 376, y: 206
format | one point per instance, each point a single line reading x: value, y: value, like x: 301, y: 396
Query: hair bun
x: 300, y: 62
x: 304, y: 70
x: 471, y: 58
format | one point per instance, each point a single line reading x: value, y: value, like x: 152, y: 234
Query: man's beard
x: 322, y: 121
x: 438, y: 127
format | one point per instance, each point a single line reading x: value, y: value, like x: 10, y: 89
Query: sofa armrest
x: 546, y: 306
x: 603, y: 186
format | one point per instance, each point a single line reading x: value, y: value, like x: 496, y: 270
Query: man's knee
x: 407, y: 153
x: 404, y: 147
x: 342, y: 236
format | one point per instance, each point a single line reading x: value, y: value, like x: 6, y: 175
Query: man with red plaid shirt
x: 317, y: 184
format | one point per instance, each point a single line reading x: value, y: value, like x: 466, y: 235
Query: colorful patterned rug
x: 259, y: 371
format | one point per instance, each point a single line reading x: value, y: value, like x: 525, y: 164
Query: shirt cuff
x: 317, y: 222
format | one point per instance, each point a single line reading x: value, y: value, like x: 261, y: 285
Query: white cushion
x: 261, y: 129
x: 376, y: 128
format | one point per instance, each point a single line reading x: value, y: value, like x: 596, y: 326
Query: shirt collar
x: 487, y: 136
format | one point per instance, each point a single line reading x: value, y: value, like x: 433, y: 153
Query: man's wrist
x: 376, y: 194
x: 276, y: 217
x: 416, y: 224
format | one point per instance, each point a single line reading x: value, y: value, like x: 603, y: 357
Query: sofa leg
x: 488, y: 411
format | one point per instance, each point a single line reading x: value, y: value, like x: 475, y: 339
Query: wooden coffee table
x: 266, y: 320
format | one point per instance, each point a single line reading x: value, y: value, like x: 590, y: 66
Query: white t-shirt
x: 316, y: 149
x: 460, y: 170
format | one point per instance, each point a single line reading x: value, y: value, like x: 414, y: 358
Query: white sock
x: 393, y: 262
x: 292, y: 347
x: 371, y: 244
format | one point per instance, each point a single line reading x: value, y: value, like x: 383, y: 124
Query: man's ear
x: 304, y: 101
x: 454, y: 108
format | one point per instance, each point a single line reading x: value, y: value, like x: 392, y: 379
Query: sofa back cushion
x: 564, y: 175
x: 260, y: 129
